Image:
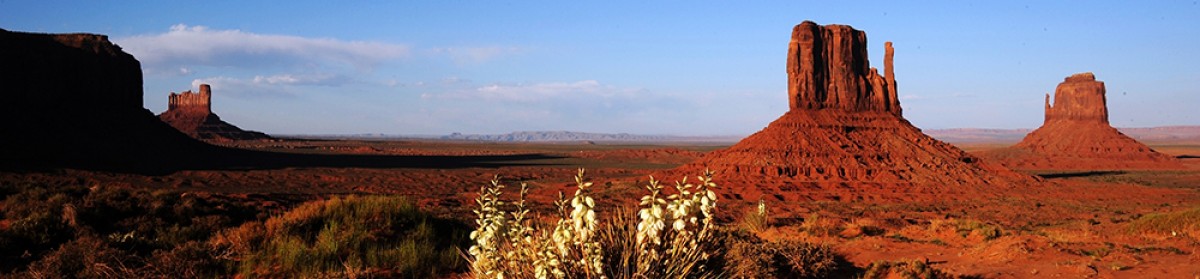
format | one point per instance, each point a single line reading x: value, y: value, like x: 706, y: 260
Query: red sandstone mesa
x: 1076, y: 135
x: 192, y: 114
x: 844, y: 136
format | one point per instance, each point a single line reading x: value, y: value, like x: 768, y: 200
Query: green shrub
x: 906, y: 269
x: 191, y: 260
x: 346, y: 236
x: 140, y: 230
x: 779, y: 259
x: 85, y: 257
x: 1172, y: 223
x: 966, y: 228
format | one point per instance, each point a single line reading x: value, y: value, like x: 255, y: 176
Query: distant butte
x: 844, y: 136
x: 1076, y: 135
x: 191, y: 113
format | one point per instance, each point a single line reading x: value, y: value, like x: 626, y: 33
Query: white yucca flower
x: 491, y: 221
x: 507, y: 245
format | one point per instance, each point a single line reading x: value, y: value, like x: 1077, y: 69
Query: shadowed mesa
x: 75, y: 101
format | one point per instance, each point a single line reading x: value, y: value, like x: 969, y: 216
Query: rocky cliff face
x: 827, y: 68
x: 1076, y: 135
x: 843, y: 137
x: 1079, y: 98
x: 191, y: 103
x: 192, y: 114
x: 75, y: 100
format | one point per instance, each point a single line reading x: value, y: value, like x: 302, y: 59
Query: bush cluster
x: 749, y: 257
x: 75, y: 231
x: 99, y: 231
x: 346, y: 237
x: 1184, y: 222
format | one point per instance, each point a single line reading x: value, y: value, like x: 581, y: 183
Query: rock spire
x: 195, y: 103
x: 827, y: 68
x: 1080, y: 97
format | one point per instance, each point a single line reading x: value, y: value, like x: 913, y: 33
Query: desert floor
x: 1105, y: 223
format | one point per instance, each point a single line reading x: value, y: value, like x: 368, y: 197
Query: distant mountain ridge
x: 976, y: 135
x: 567, y: 136
x: 955, y: 135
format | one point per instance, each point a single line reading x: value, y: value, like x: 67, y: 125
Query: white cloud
x: 230, y: 86
x: 584, y: 105
x: 278, y: 85
x: 190, y: 46
x: 290, y: 79
x: 474, y: 55
x: 583, y: 89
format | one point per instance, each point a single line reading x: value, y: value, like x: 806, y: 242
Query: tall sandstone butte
x: 75, y: 101
x: 1076, y: 135
x: 191, y: 113
x: 827, y: 67
x: 192, y: 103
x: 844, y: 137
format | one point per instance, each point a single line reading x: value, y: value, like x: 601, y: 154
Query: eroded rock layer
x: 844, y: 137
x: 191, y: 113
x: 1076, y: 135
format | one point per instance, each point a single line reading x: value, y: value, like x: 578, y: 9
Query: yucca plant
x: 756, y: 220
x: 579, y: 245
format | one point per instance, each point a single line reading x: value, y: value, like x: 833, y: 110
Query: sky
x: 643, y: 67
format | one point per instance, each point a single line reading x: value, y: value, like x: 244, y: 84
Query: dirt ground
x: 1071, y: 225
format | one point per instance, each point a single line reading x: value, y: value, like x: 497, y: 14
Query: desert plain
x: 1082, y: 223
x: 840, y: 185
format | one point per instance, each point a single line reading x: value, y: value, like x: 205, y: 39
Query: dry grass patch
x: 1186, y: 222
x: 346, y: 237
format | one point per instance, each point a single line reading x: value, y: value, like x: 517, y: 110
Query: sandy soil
x: 1070, y: 225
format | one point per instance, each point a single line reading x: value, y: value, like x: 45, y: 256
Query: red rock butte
x: 844, y: 137
x: 191, y: 113
x: 192, y: 103
x: 828, y: 69
x: 1076, y: 135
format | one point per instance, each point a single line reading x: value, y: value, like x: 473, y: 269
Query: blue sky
x: 665, y: 67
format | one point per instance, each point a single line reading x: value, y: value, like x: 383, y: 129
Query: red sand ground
x: 1076, y: 226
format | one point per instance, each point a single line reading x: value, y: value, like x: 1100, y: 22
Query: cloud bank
x: 189, y: 46
x: 544, y: 91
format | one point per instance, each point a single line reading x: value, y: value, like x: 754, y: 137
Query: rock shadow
x: 221, y: 158
x: 245, y: 159
x: 1079, y: 174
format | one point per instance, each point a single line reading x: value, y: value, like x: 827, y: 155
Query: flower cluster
x: 490, y: 232
x: 690, y: 211
x: 508, y: 245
